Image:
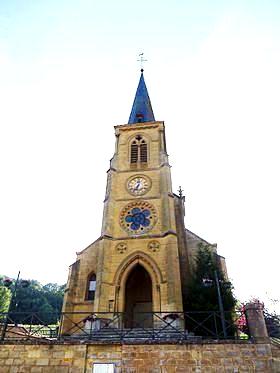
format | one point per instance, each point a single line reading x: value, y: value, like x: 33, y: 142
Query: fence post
x: 256, y: 322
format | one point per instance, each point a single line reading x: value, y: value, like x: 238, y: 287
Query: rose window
x: 138, y: 217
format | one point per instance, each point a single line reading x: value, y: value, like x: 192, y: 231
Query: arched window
x: 91, y: 286
x: 138, y: 150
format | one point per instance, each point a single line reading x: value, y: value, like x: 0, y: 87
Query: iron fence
x: 272, y: 321
x: 144, y: 327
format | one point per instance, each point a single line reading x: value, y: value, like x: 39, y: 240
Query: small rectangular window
x: 103, y: 368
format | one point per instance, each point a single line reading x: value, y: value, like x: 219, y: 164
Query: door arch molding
x: 125, y: 268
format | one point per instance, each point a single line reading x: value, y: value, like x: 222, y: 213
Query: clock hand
x: 137, y: 185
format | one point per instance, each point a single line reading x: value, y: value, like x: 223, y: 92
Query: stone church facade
x: 143, y: 258
x: 141, y: 263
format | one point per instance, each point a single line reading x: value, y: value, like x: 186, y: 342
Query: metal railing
x: 144, y: 327
x: 272, y: 321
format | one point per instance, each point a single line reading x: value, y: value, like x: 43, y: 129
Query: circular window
x: 138, y: 217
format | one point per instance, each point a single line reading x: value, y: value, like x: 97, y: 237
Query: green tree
x: 54, y: 295
x: 203, y: 294
x: 32, y: 302
x: 45, y: 302
x: 5, y: 297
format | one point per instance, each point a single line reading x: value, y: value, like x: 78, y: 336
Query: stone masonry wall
x: 79, y: 358
x: 275, y: 347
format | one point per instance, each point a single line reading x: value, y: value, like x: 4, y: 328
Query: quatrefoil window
x: 121, y: 247
x: 154, y: 246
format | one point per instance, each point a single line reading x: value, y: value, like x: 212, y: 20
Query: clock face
x: 138, y: 185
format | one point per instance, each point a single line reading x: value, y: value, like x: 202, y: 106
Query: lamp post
x: 13, y: 297
x: 221, y: 306
x: 208, y: 282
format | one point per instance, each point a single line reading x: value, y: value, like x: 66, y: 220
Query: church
x: 143, y: 259
x: 125, y: 302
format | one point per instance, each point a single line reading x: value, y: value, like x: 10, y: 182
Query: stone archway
x: 138, y: 299
x: 122, y: 274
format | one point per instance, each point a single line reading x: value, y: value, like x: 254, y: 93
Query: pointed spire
x: 142, y: 108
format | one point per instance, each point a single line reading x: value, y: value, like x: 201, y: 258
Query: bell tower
x: 139, y: 213
x: 140, y: 263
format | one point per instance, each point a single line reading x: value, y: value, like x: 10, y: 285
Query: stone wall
x: 275, y: 348
x: 199, y: 358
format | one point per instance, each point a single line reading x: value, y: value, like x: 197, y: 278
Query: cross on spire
x: 180, y: 190
x: 141, y: 60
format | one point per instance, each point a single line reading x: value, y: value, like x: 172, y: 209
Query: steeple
x: 142, y: 108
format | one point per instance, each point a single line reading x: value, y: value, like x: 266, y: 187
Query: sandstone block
x: 43, y: 362
x: 9, y: 361
x: 4, y: 369
x: 36, y: 370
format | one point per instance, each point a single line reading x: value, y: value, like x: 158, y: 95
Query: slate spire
x: 142, y: 108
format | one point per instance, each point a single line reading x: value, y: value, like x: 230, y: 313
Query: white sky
x: 68, y: 74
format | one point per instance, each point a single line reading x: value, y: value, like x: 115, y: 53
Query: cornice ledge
x: 164, y: 164
x: 144, y: 169
x: 111, y: 169
x: 138, y: 198
x: 129, y: 127
x: 167, y: 233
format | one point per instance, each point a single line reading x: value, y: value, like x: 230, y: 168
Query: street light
x: 8, y: 283
x: 208, y: 282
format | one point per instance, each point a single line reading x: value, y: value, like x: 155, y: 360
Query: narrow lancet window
x: 91, y: 286
x: 143, y: 152
x: 134, y: 152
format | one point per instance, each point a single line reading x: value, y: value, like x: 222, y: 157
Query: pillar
x: 256, y: 321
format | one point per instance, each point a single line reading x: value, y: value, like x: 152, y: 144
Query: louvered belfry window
x: 134, y: 152
x: 143, y: 152
x: 138, y: 151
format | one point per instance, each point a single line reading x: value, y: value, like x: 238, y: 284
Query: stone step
x: 133, y: 335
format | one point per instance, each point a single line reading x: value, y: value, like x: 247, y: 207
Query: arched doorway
x: 138, y: 299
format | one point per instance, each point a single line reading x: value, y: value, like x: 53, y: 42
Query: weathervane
x: 141, y: 60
